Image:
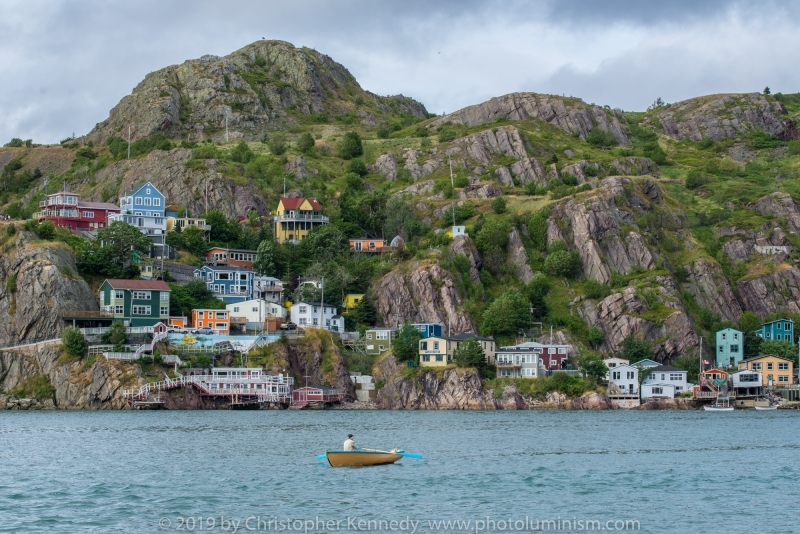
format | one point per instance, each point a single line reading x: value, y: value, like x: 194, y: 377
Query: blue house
x: 230, y: 284
x: 143, y: 206
x: 779, y: 330
x: 730, y: 347
x: 428, y: 329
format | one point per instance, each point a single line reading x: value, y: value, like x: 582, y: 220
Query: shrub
x: 73, y: 341
x: 277, y: 144
x: 601, y: 138
x: 681, y: 274
x: 447, y: 134
x: 206, y: 152
x: 86, y: 153
x: 357, y: 166
x: 506, y: 315
x: 350, y: 146
x: 590, y: 170
x: 595, y: 290
x: 11, y: 230
x: 11, y: 283
x: 406, y: 345
x: 563, y: 263
x: 15, y: 142
x: 242, y: 153
x: 695, y: 179
x: 46, y: 230
x: 305, y: 143
x: 383, y: 131
x: 569, y: 179
x: 499, y: 205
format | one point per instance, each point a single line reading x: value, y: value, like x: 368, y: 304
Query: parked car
x: 288, y: 326
x: 203, y: 331
x: 177, y: 330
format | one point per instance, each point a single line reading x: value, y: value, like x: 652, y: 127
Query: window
x: 138, y: 201
x: 164, y: 310
x: 223, y: 276
x: 254, y: 309
x: 676, y: 377
x: 778, y: 337
x: 734, y: 348
x: 87, y: 215
x: 736, y: 337
x: 769, y: 366
x: 141, y: 295
x: 756, y: 366
x: 615, y: 375
x: 381, y: 335
x: 424, y: 345
x: 439, y: 358
x: 562, y: 351
x: 780, y: 326
x: 242, y: 276
x: 783, y: 366
x: 141, y: 310
x: 303, y: 321
x: 156, y: 202
x: 724, y: 337
x: 435, y: 345
x: 631, y: 375
x: 426, y: 358
x: 222, y: 315
x: 236, y: 309
x: 148, y: 201
x: 119, y: 310
x: 303, y: 309
x: 783, y: 378
x: 722, y: 348
x: 119, y: 294
x: 658, y: 391
x: 381, y: 348
x: 221, y: 326
x: 164, y: 295
x: 316, y: 321
x: 147, y: 191
x: 748, y: 377
x: 662, y: 376
x: 553, y: 362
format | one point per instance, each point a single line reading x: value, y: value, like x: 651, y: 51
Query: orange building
x: 217, y: 320
x: 180, y: 322
x: 367, y: 245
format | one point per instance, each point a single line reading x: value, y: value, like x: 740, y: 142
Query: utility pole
x: 129, y: 141
x: 397, y: 313
x: 322, y: 304
x: 226, y: 126
x: 452, y: 183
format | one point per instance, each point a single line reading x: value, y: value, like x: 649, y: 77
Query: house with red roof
x: 296, y: 217
x: 66, y: 210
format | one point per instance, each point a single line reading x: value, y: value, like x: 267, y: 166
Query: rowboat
x: 721, y: 405
x: 362, y: 457
x: 765, y: 408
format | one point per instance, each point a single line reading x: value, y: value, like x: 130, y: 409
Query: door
x: 769, y: 380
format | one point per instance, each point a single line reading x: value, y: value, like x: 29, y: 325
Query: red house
x: 553, y: 356
x: 318, y: 394
x: 67, y: 211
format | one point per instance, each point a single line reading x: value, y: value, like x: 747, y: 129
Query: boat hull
x: 361, y: 458
x: 766, y: 408
x: 718, y: 408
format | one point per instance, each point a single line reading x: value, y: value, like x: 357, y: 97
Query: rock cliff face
x: 718, y: 116
x: 425, y: 294
x: 518, y: 257
x: 77, y: 386
x: 708, y: 286
x: 183, y: 186
x: 462, y: 245
x: 570, y: 114
x: 46, y: 284
x: 779, y: 291
x: 602, y: 227
x: 628, y: 312
x: 260, y: 86
x: 780, y: 205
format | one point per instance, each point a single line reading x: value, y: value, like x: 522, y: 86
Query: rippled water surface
x: 219, y: 471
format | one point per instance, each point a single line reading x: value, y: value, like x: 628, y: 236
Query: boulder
x: 481, y: 191
x: 386, y: 166
x: 462, y: 245
x: 503, y: 176
x: 529, y: 170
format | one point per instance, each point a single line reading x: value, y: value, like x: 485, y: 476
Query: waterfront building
x: 664, y: 382
x: 379, y: 339
x: 231, y: 257
x: 314, y: 314
x: 519, y: 362
x: 730, y: 347
x: 66, y: 210
x: 136, y: 302
x: 296, y: 217
x: 778, y: 330
x: 775, y: 370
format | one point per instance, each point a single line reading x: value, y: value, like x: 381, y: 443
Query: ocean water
x: 225, y: 471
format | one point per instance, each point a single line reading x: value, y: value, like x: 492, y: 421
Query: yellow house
x: 351, y: 300
x: 436, y: 351
x: 775, y: 370
x: 295, y: 217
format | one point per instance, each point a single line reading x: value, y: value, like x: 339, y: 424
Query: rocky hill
x: 657, y: 226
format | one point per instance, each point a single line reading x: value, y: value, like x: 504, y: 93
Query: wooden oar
x: 401, y: 452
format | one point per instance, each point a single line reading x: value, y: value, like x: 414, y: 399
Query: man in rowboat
x: 350, y: 444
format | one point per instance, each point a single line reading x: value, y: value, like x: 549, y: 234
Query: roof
x: 469, y: 335
x: 352, y: 239
x: 337, y: 316
x: 295, y: 203
x: 136, y: 187
x: 539, y: 345
x: 98, y: 205
x: 776, y: 321
x: 314, y: 304
x: 667, y: 368
x: 230, y: 250
x: 765, y: 356
x: 63, y: 193
x: 155, y: 285
x: 224, y: 268
x: 389, y: 328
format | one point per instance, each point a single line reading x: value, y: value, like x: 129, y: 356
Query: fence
x: 32, y: 342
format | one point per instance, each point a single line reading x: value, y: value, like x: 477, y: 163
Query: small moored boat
x: 765, y: 408
x: 722, y: 405
x: 362, y: 457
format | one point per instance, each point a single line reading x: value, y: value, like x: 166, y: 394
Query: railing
x: 278, y: 388
x: 129, y: 330
x: 32, y: 342
x: 88, y: 314
x: 172, y: 359
x: 301, y: 217
x: 56, y: 213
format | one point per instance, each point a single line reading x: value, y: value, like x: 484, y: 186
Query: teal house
x: 136, y: 302
x: 730, y: 347
x: 779, y: 330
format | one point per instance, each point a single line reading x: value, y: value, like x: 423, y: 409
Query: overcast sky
x: 65, y: 63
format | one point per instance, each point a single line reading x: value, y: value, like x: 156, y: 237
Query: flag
x: 706, y: 362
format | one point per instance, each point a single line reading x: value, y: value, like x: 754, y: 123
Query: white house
x: 268, y: 288
x: 613, y: 362
x: 313, y: 314
x: 625, y: 377
x: 646, y: 363
x: 256, y: 311
x: 664, y: 382
x: 519, y: 362
x: 337, y: 323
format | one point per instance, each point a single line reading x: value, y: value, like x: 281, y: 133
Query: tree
x: 748, y: 322
x: 595, y: 337
x: 689, y: 362
x: 305, y: 143
x: 277, y: 144
x: 73, y: 341
x: 241, y: 153
x: 563, y: 263
x: 470, y: 354
x: 121, y: 239
x: 406, y: 345
x: 401, y: 219
x: 507, y: 314
x: 784, y: 349
x: 357, y: 166
x: 601, y: 138
x: 362, y: 315
x: 115, y: 335
x: 46, y: 230
x: 194, y: 241
x: 499, y: 205
x: 193, y: 295
x: 537, y: 230
x: 350, y: 146
x: 767, y: 91
x: 593, y: 366
x: 536, y: 291
x: 635, y: 349
x: 264, y: 263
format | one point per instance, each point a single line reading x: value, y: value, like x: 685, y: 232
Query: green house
x: 378, y: 340
x: 136, y: 302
